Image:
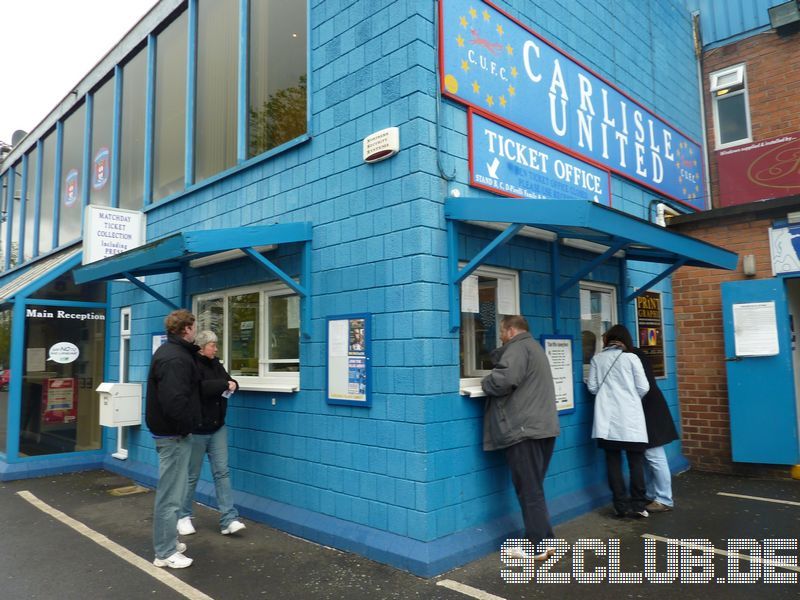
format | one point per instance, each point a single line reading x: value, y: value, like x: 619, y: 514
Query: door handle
x: 733, y: 358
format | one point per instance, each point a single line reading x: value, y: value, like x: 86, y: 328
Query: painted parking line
x: 686, y: 544
x: 775, y: 500
x: 137, y: 561
x: 467, y: 590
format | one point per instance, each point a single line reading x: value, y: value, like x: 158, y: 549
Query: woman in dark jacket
x: 211, y: 438
x: 660, y: 432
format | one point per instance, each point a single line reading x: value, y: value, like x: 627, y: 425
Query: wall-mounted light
x: 749, y: 265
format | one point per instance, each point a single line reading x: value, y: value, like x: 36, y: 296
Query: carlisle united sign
x: 493, y: 63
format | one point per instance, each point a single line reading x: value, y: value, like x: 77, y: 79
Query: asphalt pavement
x: 84, y: 535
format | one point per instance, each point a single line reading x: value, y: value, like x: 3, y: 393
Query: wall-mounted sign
x: 559, y: 353
x: 59, y: 400
x: 491, y: 62
x: 381, y: 145
x: 109, y: 231
x: 63, y: 353
x: 650, y: 325
x: 784, y: 247
x: 755, y: 329
x: 759, y: 171
x: 348, y: 360
x: 512, y: 164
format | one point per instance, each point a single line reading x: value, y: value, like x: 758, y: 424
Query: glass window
x: 3, y: 227
x: 170, y: 118
x: 131, y: 156
x: 258, y: 330
x: 277, y: 70
x: 480, y: 328
x: 102, y: 131
x: 64, y: 287
x: 69, y: 219
x: 30, y: 205
x: 48, y: 190
x: 5, y: 374
x: 59, y: 409
x: 217, y: 68
x: 731, y: 111
x: 598, y: 314
x: 15, y: 212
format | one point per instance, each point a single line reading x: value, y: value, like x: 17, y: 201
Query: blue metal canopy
x: 614, y: 232
x: 173, y: 253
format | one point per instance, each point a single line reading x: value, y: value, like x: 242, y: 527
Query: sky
x: 48, y: 46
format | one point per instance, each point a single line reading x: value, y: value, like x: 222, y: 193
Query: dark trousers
x: 637, y: 501
x: 528, y: 461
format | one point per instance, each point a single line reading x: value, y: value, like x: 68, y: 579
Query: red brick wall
x: 773, y: 81
x: 702, y: 381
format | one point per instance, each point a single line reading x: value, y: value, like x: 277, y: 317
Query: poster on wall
x: 59, y: 400
x: 559, y: 353
x: 650, y: 327
x: 348, y: 376
x: 755, y: 329
x: 784, y: 249
x: 491, y: 62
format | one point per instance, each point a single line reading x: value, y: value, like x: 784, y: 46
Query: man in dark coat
x: 520, y: 416
x: 172, y: 413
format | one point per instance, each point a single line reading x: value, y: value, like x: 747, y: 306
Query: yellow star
x: 500, y: 29
x: 475, y: 87
x: 503, y: 101
x: 486, y: 15
x: 465, y: 65
x: 513, y: 71
x: 460, y: 41
x: 677, y: 164
x: 510, y: 50
x: 490, y: 100
x: 473, y: 13
x: 463, y: 22
x: 512, y: 91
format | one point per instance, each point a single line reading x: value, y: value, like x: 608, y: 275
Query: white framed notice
x: 755, y: 329
x: 349, y: 355
x: 559, y: 353
x: 109, y: 231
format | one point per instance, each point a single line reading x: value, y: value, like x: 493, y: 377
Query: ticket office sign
x: 491, y: 62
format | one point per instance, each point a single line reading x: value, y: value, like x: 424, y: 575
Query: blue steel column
x: 149, y: 117
x: 37, y: 196
x: 116, y: 136
x: 57, y: 181
x: 305, y: 301
x: 15, y: 383
x: 23, y: 209
x: 622, y: 302
x: 191, y: 94
x: 243, y: 116
x: 452, y: 274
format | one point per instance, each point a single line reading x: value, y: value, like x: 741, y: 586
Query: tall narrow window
x: 16, y: 214
x: 102, y: 128
x: 598, y: 314
x: 131, y: 156
x: 731, y: 108
x: 124, y: 374
x: 69, y: 220
x: 170, y: 121
x: 48, y: 190
x: 278, y: 43
x: 30, y: 205
x: 4, y: 179
x: 217, y: 68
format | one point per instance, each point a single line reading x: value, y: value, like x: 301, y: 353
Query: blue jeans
x: 173, y: 468
x: 657, y: 475
x: 216, y: 446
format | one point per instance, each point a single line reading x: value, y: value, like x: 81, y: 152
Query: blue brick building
x: 356, y: 302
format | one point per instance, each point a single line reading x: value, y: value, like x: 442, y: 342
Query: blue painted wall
x: 726, y: 21
x: 404, y: 481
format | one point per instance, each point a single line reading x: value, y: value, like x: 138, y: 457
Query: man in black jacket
x: 172, y: 413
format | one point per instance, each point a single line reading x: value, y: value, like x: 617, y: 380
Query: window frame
x: 276, y: 381
x: 737, y: 86
x: 614, y: 318
x: 471, y: 385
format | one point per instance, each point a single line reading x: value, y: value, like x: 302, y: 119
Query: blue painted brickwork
x: 412, y: 464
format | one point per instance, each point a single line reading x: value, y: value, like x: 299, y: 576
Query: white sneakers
x: 176, y: 561
x: 232, y: 527
x: 518, y: 552
x: 185, y: 526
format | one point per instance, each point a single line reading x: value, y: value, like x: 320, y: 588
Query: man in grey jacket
x: 520, y: 417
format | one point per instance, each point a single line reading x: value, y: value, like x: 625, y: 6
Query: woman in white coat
x: 619, y: 382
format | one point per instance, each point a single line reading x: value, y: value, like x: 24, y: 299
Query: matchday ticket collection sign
x: 494, y: 64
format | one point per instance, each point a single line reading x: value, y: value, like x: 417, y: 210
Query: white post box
x: 120, y: 404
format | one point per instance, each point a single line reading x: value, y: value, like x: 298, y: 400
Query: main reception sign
x: 493, y: 63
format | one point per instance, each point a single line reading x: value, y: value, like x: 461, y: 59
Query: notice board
x: 348, y: 376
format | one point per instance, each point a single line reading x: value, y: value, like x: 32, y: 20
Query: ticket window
x: 598, y: 314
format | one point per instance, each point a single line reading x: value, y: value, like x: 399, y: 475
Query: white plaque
x: 109, y: 231
x: 755, y: 329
